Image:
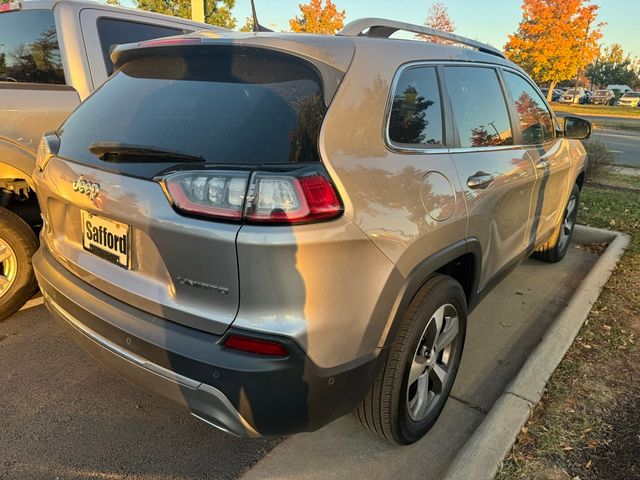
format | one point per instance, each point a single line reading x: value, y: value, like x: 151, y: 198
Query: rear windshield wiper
x: 123, y: 152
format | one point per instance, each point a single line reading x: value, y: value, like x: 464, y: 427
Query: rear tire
x: 412, y: 387
x: 18, y: 243
x: 556, y: 248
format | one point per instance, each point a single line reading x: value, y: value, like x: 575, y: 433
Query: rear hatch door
x: 222, y: 108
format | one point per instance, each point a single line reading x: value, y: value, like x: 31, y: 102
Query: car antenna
x: 256, y: 25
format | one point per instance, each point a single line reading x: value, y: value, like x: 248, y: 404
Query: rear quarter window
x: 29, y: 50
x: 416, y: 113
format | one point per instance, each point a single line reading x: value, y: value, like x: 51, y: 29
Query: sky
x: 489, y: 21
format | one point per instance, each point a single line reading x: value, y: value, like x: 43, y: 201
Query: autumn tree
x: 114, y: 2
x: 248, y: 25
x: 318, y: 19
x: 216, y: 12
x: 438, y: 19
x: 555, y: 39
x: 614, y: 67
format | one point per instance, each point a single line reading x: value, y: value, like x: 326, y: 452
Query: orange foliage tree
x: 437, y: 18
x: 555, y: 39
x: 318, y: 19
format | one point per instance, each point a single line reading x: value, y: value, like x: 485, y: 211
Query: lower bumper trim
x: 204, y: 401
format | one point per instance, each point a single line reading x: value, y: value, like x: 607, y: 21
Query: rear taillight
x: 301, y: 196
x: 257, y: 346
x: 10, y: 7
x: 276, y: 198
x: 211, y: 194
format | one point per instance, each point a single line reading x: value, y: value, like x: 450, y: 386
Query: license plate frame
x: 99, y: 232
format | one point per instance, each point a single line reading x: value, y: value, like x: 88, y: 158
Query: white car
x: 630, y: 99
x: 574, y: 95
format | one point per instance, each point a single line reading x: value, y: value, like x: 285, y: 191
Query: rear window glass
x: 416, y: 115
x: 113, y: 32
x: 29, y: 51
x: 229, y: 105
x: 479, y: 108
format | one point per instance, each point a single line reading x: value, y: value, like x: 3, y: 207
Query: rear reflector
x: 253, y: 345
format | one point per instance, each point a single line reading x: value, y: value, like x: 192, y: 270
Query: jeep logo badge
x: 86, y: 187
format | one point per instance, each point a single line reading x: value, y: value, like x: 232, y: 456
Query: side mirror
x: 576, y: 127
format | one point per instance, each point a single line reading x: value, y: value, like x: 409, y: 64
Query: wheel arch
x: 16, y: 162
x: 462, y: 261
x: 582, y: 174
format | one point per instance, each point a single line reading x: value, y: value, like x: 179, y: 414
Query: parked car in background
x: 603, y: 97
x: 556, y: 93
x: 225, y: 224
x: 619, y: 90
x: 54, y: 53
x: 574, y: 95
x: 630, y: 99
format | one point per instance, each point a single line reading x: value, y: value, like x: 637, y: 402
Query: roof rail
x: 382, y: 28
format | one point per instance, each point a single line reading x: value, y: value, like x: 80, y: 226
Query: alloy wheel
x: 432, y: 365
x: 8, y: 267
x: 567, y: 223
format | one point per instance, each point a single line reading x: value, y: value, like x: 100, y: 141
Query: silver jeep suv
x: 277, y: 229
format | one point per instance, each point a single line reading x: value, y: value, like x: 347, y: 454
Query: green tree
x: 613, y: 67
x: 216, y: 12
x: 555, y: 39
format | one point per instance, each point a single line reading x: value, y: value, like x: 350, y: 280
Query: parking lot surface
x: 62, y: 415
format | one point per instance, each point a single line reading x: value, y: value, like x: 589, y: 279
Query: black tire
x: 23, y: 243
x: 555, y: 249
x: 386, y: 409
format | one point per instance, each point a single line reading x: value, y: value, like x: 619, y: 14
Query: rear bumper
x: 240, y: 393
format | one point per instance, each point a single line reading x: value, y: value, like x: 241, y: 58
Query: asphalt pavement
x: 624, y: 143
x: 62, y: 415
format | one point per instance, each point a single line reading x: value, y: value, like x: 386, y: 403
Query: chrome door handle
x: 542, y: 164
x: 480, y: 180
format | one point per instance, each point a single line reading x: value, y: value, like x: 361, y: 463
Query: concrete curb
x: 491, y: 442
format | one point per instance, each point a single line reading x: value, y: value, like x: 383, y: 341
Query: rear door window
x: 416, y: 113
x: 228, y: 105
x: 535, y: 120
x: 29, y: 50
x: 479, y: 107
x: 113, y: 32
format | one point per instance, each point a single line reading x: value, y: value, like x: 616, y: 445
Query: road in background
x: 624, y: 143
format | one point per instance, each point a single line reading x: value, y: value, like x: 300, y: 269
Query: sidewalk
x: 635, y: 172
